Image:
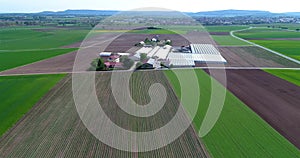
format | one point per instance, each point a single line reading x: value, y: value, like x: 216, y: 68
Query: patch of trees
x: 143, y: 57
x: 138, y: 65
x: 153, y: 28
x: 97, y: 65
x: 127, y: 63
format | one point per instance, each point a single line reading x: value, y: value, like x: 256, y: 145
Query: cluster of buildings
x: 158, y: 56
x: 112, y: 60
x: 189, y: 56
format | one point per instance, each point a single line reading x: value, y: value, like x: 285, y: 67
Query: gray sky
x: 184, y: 5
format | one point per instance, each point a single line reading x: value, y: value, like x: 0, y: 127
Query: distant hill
x: 233, y: 13
x: 81, y: 12
x: 293, y: 14
x: 219, y: 13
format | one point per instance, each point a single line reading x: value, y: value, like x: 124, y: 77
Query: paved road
x: 204, y: 68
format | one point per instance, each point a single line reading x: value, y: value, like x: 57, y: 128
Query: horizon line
x: 56, y: 11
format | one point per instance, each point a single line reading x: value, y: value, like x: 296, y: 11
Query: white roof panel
x: 163, y: 52
x: 145, y: 50
x: 204, y: 49
x: 188, y: 59
x: 153, y: 51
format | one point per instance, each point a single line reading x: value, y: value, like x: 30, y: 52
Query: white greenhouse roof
x: 188, y: 59
x: 204, y: 49
x: 145, y: 50
x: 163, y: 52
x: 104, y: 54
x: 124, y: 54
x: 153, y: 51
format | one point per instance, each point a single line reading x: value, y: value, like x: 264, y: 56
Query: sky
x: 28, y: 6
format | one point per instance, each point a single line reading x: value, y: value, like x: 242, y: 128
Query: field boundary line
x: 237, y: 46
x: 37, y: 62
x: 188, y: 68
x: 75, y: 51
x: 254, y: 44
x: 25, y: 50
x: 200, y: 140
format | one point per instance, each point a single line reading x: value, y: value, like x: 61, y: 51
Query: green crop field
x: 54, y: 128
x: 239, y: 131
x: 14, y: 59
x: 290, y: 26
x: 286, y: 47
x: 19, y: 94
x: 292, y: 76
x: 279, y: 40
x: 39, y: 38
x: 227, y: 28
x: 228, y: 41
x: 267, y: 33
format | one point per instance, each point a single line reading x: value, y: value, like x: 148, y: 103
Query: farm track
x: 61, y: 63
x: 53, y: 128
x: 265, y: 48
x: 275, y: 100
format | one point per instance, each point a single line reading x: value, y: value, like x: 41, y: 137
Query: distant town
x: 90, y: 18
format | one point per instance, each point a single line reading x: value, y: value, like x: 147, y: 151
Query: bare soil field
x: 127, y: 40
x: 53, y: 128
x: 254, y: 57
x: 275, y: 100
x: 200, y: 37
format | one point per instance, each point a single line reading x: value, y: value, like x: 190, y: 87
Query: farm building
x: 112, y: 60
x: 163, y: 52
x: 181, y: 59
x: 145, y: 50
x: 108, y: 54
x: 200, y: 53
x: 150, y: 64
x: 113, y: 65
x: 105, y: 54
x: 153, y: 51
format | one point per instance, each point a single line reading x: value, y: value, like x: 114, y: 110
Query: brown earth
x: 53, y: 128
x: 253, y: 57
x: 127, y: 40
x: 200, y: 37
x: 275, y: 100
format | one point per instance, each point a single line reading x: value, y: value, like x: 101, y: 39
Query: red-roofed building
x: 113, y: 64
